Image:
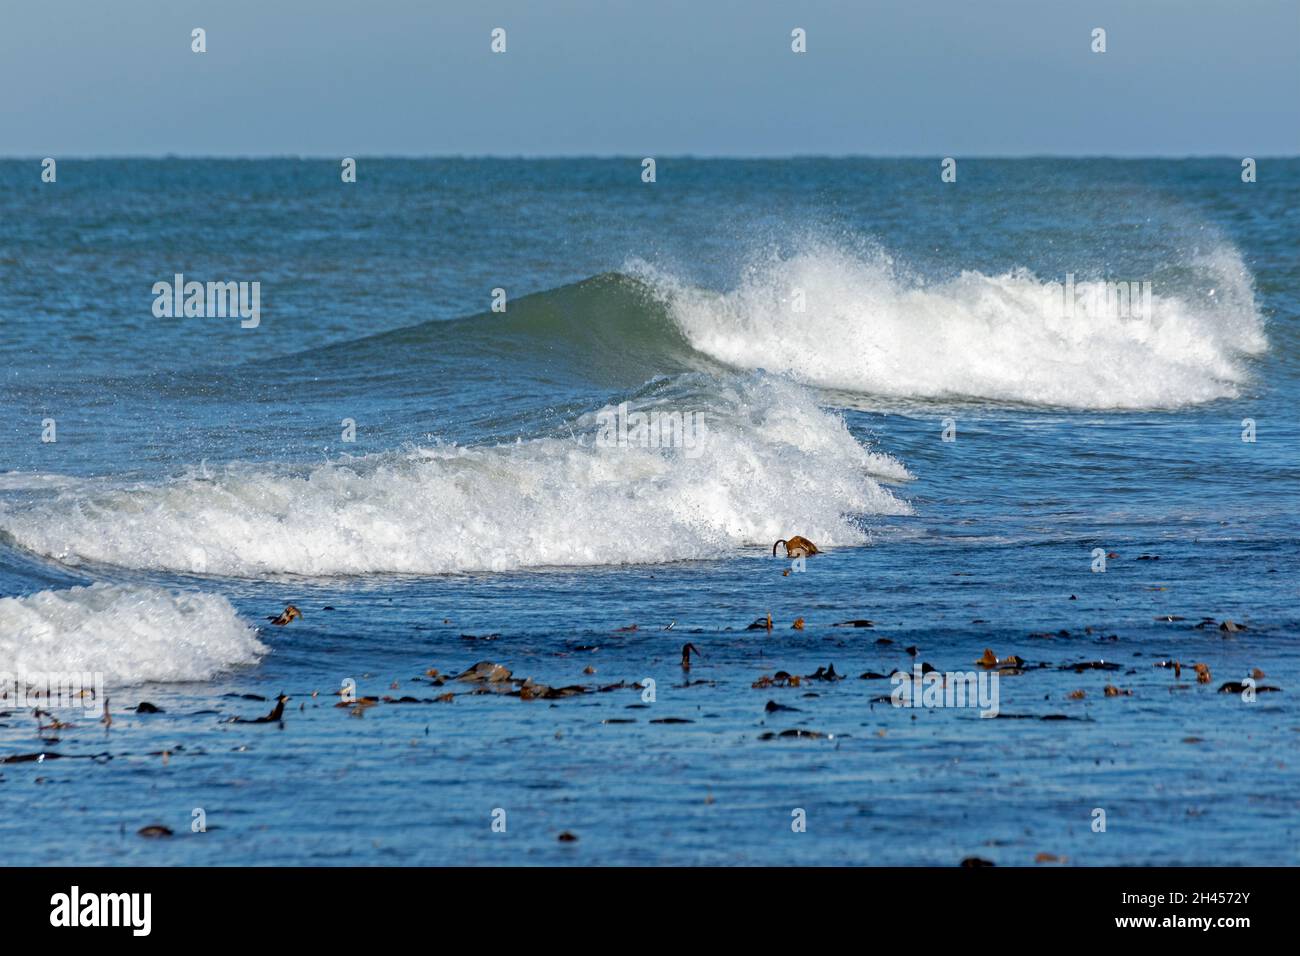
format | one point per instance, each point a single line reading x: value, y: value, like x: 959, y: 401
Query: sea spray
x: 771, y: 460
x: 850, y: 320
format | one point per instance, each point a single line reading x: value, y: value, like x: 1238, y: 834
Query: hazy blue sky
x: 659, y: 77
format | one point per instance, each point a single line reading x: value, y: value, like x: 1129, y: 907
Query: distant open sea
x: 882, y: 362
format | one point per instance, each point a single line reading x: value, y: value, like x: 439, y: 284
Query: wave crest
x: 772, y: 464
x: 129, y: 634
x: 1004, y: 337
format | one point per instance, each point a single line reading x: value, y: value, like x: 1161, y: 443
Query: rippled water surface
x: 829, y: 322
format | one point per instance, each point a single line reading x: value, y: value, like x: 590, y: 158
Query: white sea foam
x: 129, y: 634
x: 772, y: 464
x: 1000, y: 337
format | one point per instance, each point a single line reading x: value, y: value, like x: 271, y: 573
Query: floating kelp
x: 1082, y: 666
x: 990, y: 660
x: 290, y: 613
x: 779, y: 679
x: 274, y: 717
x: 926, y: 668
x: 1237, y: 687
x: 797, y: 547
x: 484, y: 672
x: 53, y: 724
x: 33, y: 758
x: 1005, y: 716
x: 531, y: 690
x: 824, y: 673
x: 359, y: 702
x: 1176, y: 666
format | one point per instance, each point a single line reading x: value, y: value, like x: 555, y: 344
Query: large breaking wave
x: 770, y: 464
x: 865, y: 327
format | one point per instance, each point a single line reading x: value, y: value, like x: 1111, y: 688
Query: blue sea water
x: 831, y: 321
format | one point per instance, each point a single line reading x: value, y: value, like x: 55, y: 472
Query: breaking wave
x: 129, y: 634
x: 769, y: 463
x: 864, y: 327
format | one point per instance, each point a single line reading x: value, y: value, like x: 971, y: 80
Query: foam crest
x: 1011, y: 337
x: 129, y: 634
x: 769, y: 464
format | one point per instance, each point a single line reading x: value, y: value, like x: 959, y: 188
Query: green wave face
x: 609, y: 331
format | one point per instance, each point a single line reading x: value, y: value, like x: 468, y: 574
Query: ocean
x: 545, y: 414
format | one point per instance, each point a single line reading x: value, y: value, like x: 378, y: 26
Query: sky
x: 649, y: 78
